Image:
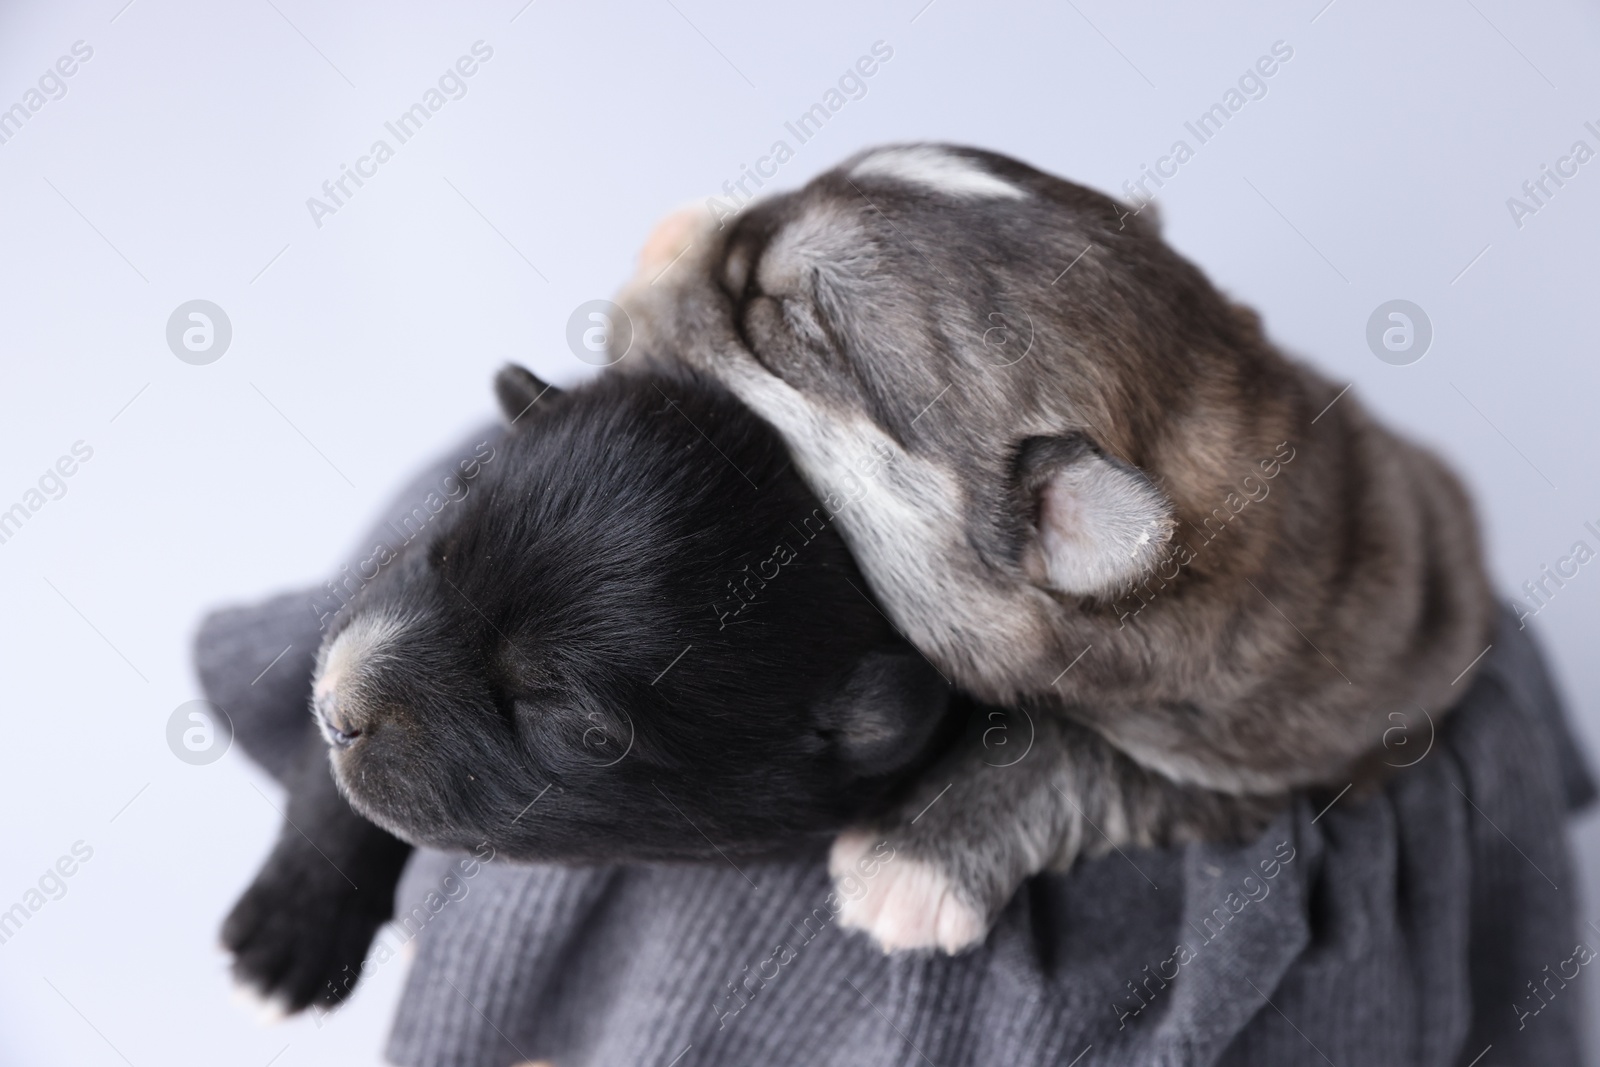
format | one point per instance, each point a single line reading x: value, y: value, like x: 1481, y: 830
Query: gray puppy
x: 1201, y: 573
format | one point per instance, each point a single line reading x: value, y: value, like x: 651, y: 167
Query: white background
x: 178, y: 166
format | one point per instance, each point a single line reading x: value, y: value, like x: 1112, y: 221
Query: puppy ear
x: 886, y: 711
x: 1098, y: 524
x: 518, y: 388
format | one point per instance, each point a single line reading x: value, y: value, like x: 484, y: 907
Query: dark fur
x: 1001, y: 342
x: 565, y: 679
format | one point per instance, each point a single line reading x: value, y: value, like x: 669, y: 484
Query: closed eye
x: 741, y: 261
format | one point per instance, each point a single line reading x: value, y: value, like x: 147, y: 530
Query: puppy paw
x: 904, y: 903
x: 268, y: 1010
x: 299, y: 940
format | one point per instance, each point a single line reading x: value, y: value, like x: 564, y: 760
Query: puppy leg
x: 300, y: 932
x: 986, y: 817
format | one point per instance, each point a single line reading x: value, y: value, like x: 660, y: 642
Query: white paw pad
x: 902, y: 903
x: 268, y: 1008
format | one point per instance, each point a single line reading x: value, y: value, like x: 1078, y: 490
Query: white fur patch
x: 357, y: 646
x: 827, y: 239
x: 907, y: 904
x: 269, y: 1010
x: 900, y: 515
x: 937, y: 170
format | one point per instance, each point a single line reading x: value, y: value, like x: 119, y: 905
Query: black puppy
x: 639, y: 639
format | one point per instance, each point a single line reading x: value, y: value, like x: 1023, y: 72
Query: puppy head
x: 639, y: 637
x: 1055, y: 388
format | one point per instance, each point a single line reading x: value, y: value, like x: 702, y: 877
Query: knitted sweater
x: 1426, y: 922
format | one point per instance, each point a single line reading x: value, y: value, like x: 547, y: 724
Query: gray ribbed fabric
x: 1409, y: 927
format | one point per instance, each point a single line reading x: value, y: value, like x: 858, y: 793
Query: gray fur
x: 1306, y: 573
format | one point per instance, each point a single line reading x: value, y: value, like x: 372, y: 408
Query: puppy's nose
x: 670, y: 239
x: 339, y: 728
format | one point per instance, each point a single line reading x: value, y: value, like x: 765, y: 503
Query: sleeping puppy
x: 640, y: 639
x: 1113, y: 504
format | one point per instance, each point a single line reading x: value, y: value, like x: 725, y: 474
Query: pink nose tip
x: 670, y: 239
x: 337, y: 729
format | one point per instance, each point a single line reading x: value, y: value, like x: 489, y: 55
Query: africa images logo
x: 1399, y: 332
x: 199, y: 732
x: 199, y: 332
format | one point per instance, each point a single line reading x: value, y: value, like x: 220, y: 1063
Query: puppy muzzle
x: 338, y: 729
